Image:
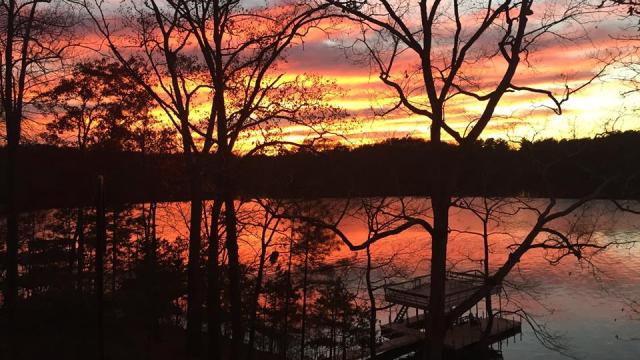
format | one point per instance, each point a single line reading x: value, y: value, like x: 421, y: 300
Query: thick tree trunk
x: 440, y: 201
x: 436, y: 318
x: 213, y: 281
x: 234, y: 273
x: 194, y: 288
x: 11, y: 282
x: 12, y: 120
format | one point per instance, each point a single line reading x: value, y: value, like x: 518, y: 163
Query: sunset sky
x: 598, y: 106
x: 586, y: 113
x: 552, y: 63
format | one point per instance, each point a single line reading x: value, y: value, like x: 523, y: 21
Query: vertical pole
x: 100, y: 249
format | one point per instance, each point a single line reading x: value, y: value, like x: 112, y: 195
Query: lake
x: 584, y: 308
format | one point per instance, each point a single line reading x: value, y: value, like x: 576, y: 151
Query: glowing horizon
x: 551, y: 66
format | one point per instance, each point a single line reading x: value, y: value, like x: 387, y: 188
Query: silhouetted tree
x: 96, y: 106
x: 282, y: 308
x: 392, y: 33
x: 269, y: 231
x: 312, y: 246
x: 234, y: 74
x: 34, y: 38
x: 336, y: 318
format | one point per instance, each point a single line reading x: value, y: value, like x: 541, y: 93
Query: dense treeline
x: 54, y: 176
x: 288, y: 290
x: 565, y: 168
x: 183, y: 102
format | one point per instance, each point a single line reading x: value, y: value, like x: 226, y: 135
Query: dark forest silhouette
x: 564, y: 169
x: 187, y: 109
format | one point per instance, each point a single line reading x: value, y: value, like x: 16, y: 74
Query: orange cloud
x: 553, y: 64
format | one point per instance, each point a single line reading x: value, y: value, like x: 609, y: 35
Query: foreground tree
x: 441, y: 73
x: 314, y: 245
x: 96, y: 106
x: 228, y: 94
x: 554, y: 228
x: 33, y: 37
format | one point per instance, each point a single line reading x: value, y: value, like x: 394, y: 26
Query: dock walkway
x: 407, y: 336
x: 470, y: 333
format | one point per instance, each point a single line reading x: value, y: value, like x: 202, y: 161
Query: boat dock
x: 406, y: 333
x: 464, y: 334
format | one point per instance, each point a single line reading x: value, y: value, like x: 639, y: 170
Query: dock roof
x: 415, y: 292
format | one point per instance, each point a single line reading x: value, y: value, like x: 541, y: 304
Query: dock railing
x: 405, y: 292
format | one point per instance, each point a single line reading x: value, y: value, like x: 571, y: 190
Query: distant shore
x: 54, y: 177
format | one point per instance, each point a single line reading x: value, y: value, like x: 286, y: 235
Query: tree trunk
x: 213, y: 281
x: 80, y: 250
x: 285, y: 330
x: 436, y: 318
x: 372, y: 309
x: 114, y: 253
x: 152, y: 261
x: 194, y: 296
x: 304, y: 298
x: 254, y: 302
x: 100, y: 250
x: 332, y: 347
x: 485, y: 233
x: 440, y: 201
x: 11, y: 282
x: 345, y: 323
x: 234, y: 273
x: 484, y: 339
x: 12, y: 124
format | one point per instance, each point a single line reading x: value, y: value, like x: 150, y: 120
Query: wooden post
x: 100, y: 250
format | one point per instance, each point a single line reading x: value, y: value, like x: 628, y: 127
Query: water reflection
x: 312, y: 284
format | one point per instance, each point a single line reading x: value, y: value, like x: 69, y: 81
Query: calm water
x: 586, y: 305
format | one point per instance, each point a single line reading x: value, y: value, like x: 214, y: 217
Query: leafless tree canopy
x: 436, y: 54
x: 213, y: 67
